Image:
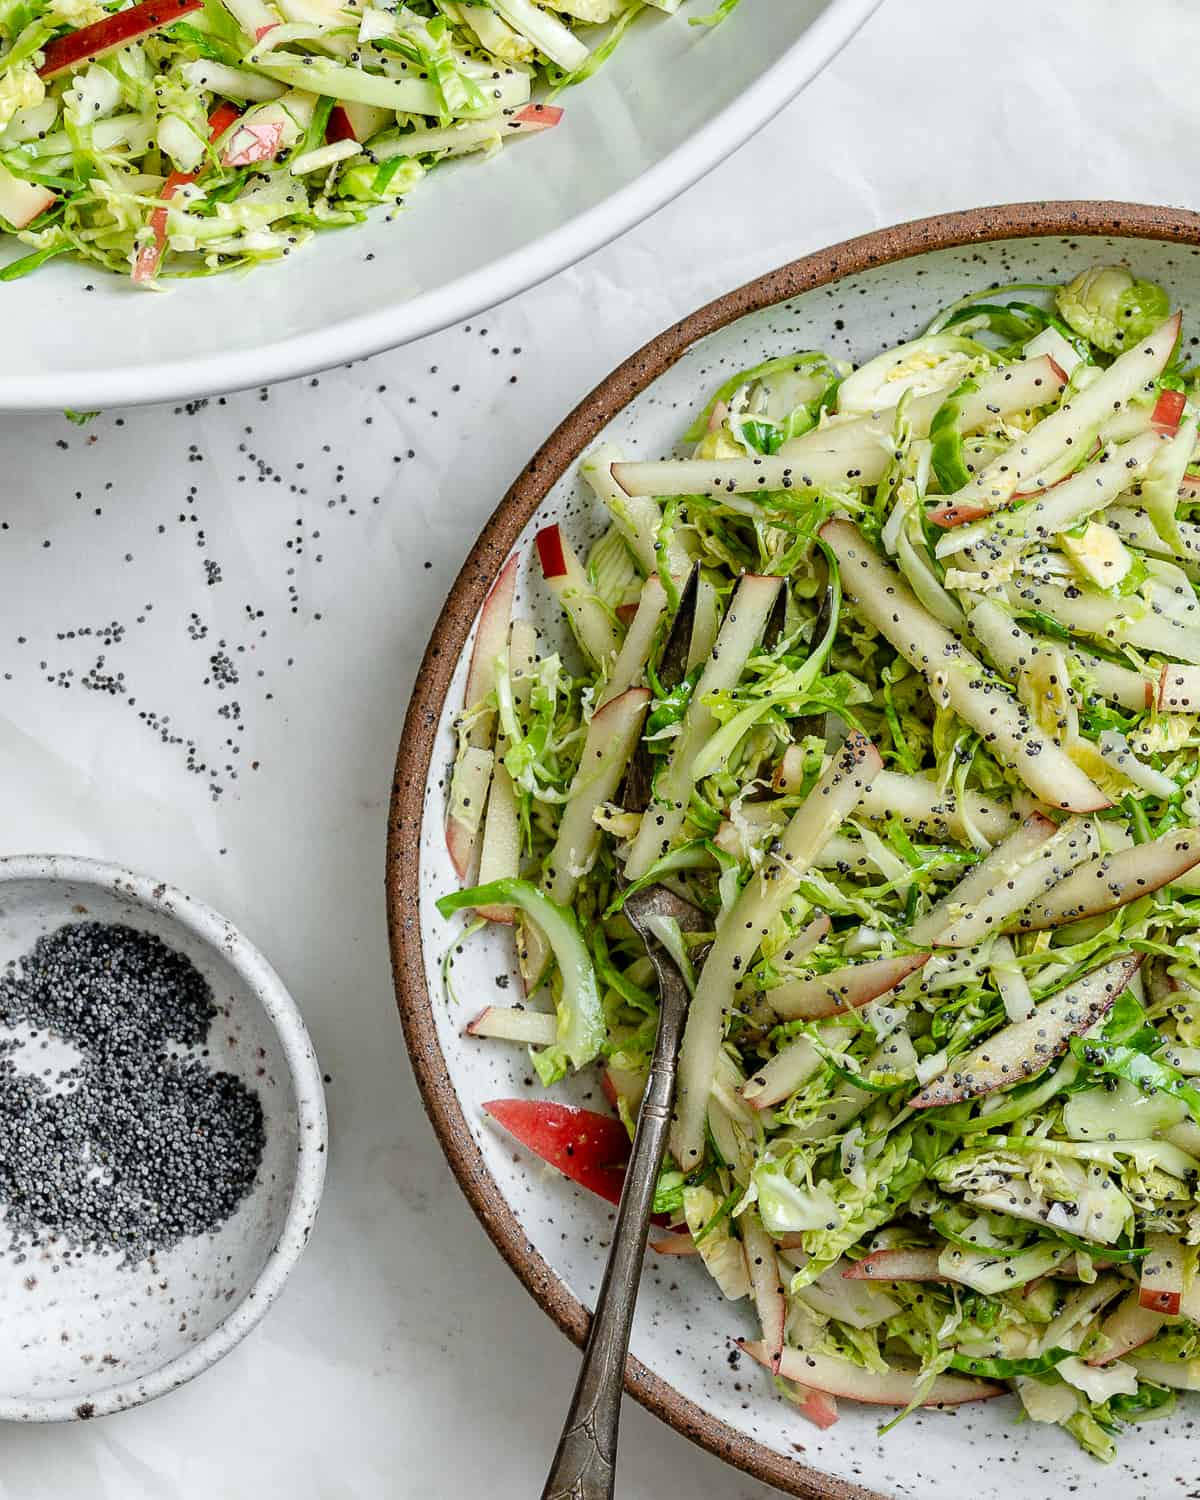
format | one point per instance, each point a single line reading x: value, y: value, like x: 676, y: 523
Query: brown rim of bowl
x: 450, y: 634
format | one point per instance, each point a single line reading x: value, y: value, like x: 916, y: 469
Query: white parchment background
x: 404, y: 1361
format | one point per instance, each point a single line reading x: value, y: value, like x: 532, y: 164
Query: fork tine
x: 657, y: 900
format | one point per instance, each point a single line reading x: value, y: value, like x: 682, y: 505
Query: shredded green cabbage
x: 225, y: 133
x: 1036, y: 1169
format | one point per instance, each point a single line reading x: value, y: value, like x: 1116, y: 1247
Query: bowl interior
x: 683, y: 1326
x: 88, y: 1331
x: 80, y: 337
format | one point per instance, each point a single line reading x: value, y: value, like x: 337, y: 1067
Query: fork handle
x: 584, y: 1466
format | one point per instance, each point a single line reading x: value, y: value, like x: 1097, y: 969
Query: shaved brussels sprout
x: 1112, y: 309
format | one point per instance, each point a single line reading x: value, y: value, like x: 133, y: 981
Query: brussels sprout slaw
x: 183, y: 137
x: 895, y: 674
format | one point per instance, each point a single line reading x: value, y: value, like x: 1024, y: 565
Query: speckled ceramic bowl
x: 851, y: 300
x: 86, y: 1335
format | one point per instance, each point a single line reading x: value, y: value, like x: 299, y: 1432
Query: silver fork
x: 584, y: 1466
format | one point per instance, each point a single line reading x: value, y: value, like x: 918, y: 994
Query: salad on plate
x: 895, y: 674
x: 183, y: 137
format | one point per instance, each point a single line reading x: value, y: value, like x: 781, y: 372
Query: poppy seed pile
x: 139, y: 1144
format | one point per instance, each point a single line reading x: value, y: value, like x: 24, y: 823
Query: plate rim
x: 373, y: 331
x: 1083, y: 218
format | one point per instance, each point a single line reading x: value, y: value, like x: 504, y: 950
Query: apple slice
x: 1025, y: 1048
x: 1161, y: 1289
x: 821, y: 995
x: 592, y: 625
x: 1073, y: 422
x: 253, y: 16
x: 611, y: 737
x: 898, y: 1265
x: 638, y: 519
x: 957, y: 679
x: 918, y: 803
x: 1112, y: 880
x: 1179, y: 689
x: 63, y: 52
x: 818, y: 1406
x: 1168, y: 412
x: 1149, y: 624
x: 623, y: 1083
x: 351, y: 121
x: 148, y: 257
x: 469, y: 785
x: 897, y: 1387
x: 1060, y: 506
x: 957, y: 914
x: 783, y: 1075
x: 766, y: 1285
x: 1014, y: 651
x: 1129, y: 1327
x: 589, y: 1148
x: 741, y: 631
x: 20, y: 201
x: 491, y: 639
x: 675, y: 1244
x: 506, y: 1023
x: 820, y: 815
x: 854, y: 452
x: 500, y: 850
x: 470, y: 135
x: 257, y: 140
x: 817, y: 469
x: 800, y: 945
x: 641, y: 629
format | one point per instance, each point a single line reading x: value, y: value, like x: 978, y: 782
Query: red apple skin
x: 460, y: 842
x: 38, y: 203
x: 1128, y: 1328
x: 538, y: 116
x: 1160, y: 1302
x: 1168, y: 410
x: 675, y: 1244
x: 589, y: 1148
x: 820, y: 1408
x: 947, y: 516
x: 896, y: 1265
x: 494, y: 620
x: 149, y: 256
x: 64, y: 52
x: 339, y: 127
x: 549, y: 544
x: 251, y: 143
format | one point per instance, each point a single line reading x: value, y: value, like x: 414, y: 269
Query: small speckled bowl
x: 85, y: 1335
x: 852, y: 299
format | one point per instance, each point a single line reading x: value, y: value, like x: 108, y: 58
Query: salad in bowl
x: 184, y: 137
x: 894, y: 673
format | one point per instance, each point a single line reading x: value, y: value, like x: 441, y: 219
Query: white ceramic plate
x: 674, y: 100
x: 559, y: 1241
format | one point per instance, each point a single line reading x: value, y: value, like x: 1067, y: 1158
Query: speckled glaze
x: 850, y: 300
x: 84, y: 1334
